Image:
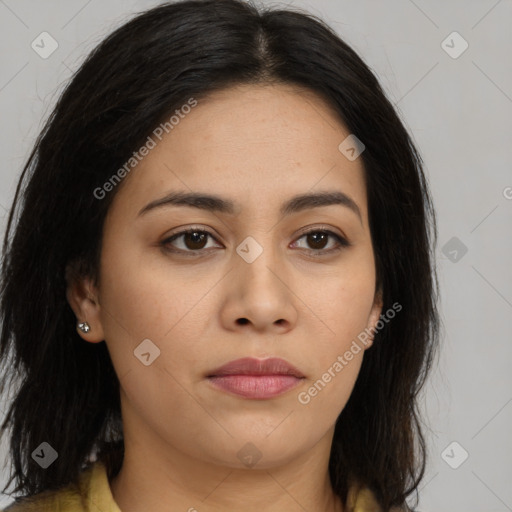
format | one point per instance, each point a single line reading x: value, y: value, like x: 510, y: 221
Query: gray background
x: 458, y: 111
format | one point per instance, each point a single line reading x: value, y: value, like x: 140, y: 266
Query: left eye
x: 194, y: 240
x: 318, y: 238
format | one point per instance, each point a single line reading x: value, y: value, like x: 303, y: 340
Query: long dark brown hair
x: 66, y: 392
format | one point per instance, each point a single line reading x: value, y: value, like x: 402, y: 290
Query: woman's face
x: 173, y: 311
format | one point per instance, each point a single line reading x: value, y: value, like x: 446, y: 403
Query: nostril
x: 242, y: 321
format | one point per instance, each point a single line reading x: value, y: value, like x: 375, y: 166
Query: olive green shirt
x: 95, y: 495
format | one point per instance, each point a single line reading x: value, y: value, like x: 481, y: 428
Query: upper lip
x: 252, y: 366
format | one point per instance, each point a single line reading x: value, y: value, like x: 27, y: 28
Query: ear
x: 374, y: 316
x: 82, y: 296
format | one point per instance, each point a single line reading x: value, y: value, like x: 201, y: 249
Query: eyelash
x: 343, y: 243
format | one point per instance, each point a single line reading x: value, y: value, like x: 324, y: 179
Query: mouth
x: 255, y: 378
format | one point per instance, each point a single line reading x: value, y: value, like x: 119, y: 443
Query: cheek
x: 144, y: 293
x: 144, y: 297
x: 341, y: 310
x: 329, y: 390
x: 339, y: 306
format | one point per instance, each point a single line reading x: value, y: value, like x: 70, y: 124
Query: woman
x: 218, y: 288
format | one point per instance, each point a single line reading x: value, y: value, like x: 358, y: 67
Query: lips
x: 256, y: 379
x: 252, y: 366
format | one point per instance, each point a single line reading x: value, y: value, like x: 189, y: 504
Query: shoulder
x: 66, y: 499
x: 362, y: 499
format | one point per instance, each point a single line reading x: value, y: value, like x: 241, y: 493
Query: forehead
x: 254, y: 143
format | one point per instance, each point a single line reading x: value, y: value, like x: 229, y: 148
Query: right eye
x: 193, y: 241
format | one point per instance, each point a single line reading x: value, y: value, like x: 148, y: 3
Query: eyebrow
x: 218, y: 204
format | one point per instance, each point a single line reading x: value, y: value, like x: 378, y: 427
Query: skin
x: 257, y: 145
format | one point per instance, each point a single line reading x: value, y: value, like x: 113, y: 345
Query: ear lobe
x: 82, y: 296
x: 375, y: 315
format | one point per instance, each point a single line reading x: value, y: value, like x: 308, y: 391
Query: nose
x: 260, y: 293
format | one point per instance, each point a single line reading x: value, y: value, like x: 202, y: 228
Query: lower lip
x: 255, y: 386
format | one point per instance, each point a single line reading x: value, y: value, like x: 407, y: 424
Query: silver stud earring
x: 84, y: 327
